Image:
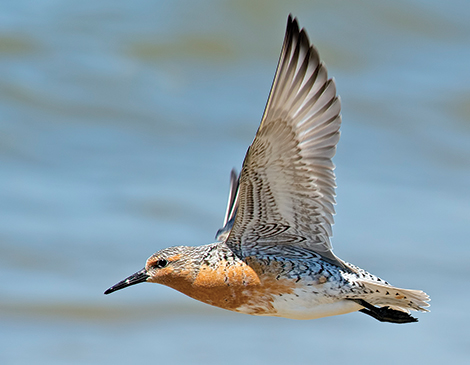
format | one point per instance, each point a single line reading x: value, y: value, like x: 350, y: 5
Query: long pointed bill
x: 139, y: 277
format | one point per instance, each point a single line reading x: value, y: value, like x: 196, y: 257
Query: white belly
x: 304, y: 305
x: 295, y: 311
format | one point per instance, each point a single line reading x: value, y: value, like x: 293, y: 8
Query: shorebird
x: 273, y: 255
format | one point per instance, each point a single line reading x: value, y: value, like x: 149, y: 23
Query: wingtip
x: 292, y: 24
x: 234, y: 173
x: 297, y: 37
x: 291, y: 20
x: 290, y: 17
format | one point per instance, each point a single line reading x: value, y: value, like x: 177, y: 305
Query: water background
x: 120, y: 122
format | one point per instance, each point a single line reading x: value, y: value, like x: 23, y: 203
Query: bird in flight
x: 273, y: 255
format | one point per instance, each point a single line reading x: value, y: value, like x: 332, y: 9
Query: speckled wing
x: 287, y: 184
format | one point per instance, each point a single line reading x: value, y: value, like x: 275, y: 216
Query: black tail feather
x: 385, y: 314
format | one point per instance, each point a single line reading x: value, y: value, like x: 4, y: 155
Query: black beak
x: 139, y: 277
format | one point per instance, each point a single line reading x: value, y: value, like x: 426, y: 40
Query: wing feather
x: 286, y: 191
x: 231, y: 210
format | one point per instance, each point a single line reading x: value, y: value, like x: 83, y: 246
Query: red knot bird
x: 273, y: 256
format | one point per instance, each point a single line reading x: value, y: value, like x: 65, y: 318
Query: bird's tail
x: 396, y: 298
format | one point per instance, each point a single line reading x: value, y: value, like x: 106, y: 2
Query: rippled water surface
x: 120, y: 122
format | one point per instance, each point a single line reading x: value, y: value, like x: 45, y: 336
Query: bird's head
x: 168, y: 267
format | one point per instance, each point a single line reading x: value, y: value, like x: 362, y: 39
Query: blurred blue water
x: 120, y: 122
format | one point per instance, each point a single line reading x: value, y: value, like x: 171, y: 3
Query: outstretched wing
x: 223, y: 232
x: 287, y: 184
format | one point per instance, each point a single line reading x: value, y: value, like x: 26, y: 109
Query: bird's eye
x: 160, y: 264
